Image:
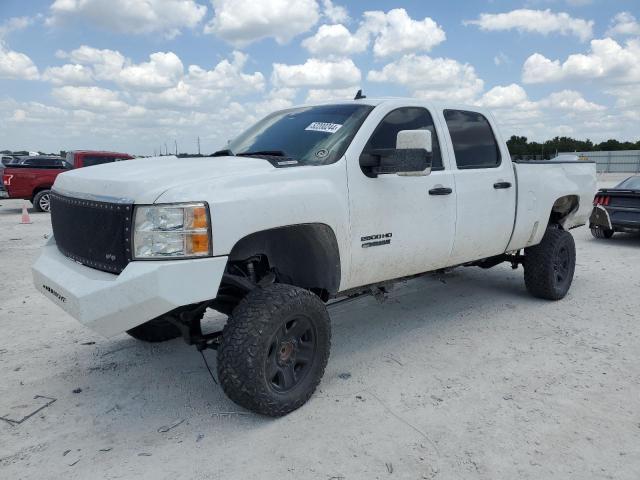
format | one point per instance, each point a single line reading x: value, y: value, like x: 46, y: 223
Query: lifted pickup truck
x: 31, y: 179
x: 310, y: 205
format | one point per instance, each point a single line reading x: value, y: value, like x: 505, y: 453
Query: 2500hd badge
x: 376, y: 240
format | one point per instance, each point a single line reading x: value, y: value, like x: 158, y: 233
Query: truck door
x: 485, y: 183
x: 397, y: 227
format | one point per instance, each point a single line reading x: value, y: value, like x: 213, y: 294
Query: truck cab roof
x: 400, y: 102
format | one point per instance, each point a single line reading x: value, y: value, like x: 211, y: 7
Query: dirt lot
x: 455, y: 377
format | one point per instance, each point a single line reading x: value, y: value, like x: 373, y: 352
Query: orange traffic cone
x: 26, y: 219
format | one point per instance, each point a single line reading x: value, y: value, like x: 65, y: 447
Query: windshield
x: 310, y: 135
x: 631, y: 183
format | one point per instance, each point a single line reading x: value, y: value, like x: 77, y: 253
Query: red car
x: 33, y: 178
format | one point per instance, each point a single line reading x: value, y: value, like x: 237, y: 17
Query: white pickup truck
x: 309, y: 205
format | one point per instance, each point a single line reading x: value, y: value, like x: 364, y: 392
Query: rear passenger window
x: 89, y: 160
x: 474, y: 144
x: 410, y: 118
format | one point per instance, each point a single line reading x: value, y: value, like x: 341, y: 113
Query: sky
x: 140, y: 76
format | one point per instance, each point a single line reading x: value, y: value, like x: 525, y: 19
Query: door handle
x: 499, y: 185
x: 440, y: 191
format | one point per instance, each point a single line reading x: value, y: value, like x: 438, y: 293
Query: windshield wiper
x: 269, y: 153
x: 223, y: 153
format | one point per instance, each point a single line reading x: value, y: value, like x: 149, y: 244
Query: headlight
x: 172, y: 230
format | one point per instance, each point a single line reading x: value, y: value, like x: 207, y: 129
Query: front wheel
x: 274, y: 349
x: 42, y: 201
x: 601, y: 232
x: 549, y: 266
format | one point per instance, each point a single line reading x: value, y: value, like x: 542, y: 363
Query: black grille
x: 96, y: 234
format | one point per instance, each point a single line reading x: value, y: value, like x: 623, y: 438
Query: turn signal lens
x: 198, y: 243
x: 199, y: 217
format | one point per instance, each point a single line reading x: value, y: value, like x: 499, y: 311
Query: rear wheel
x: 42, y: 201
x: 274, y: 349
x: 601, y: 232
x: 157, y: 330
x: 549, y: 266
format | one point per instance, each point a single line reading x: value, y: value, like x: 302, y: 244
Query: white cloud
x: 628, y: 96
x: 432, y: 78
x: 107, y: 64
x: 16, y: 65
x: 131, y: 16
x: 69, y: 74
x: 241, y: 22
x: 200, y: 86
x: 316, y: 73
x: 504, y: 97
x: 501, y: 58
x: 334, y: 13
x: 14, y: 24
x: 624, y: 23
x: 395, y: 32
x: 228, y: 75
x: 336, y: 40
x: 535, y: 21
x: 181, y: 96
x: 565, y: 112
x: 606, y: 60
x: 321, y: 95
x: 164, y: 69
x: 539, y: 69
x: 570, y: 100
x: 90, y: 98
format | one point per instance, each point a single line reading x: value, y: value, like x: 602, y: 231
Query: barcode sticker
x: 324, y: 127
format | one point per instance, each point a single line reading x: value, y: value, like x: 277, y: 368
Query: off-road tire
x: 550, y: 265
x: 155, y: 331
x: 42, y: 201
x: 601, y: 232
x: 248, y: 339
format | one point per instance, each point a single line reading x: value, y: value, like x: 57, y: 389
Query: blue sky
x: 132, y: 75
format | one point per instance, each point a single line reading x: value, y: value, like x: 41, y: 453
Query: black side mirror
x: 411, y: 157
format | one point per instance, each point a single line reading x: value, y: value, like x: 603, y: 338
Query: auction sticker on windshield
x: 324, y: 127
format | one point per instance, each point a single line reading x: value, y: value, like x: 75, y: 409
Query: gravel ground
x: 463, y: 376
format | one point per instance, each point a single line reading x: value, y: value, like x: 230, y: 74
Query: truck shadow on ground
x: 150, y: 383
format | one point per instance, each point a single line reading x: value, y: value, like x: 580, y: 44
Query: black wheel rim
x: 291, y: 354
x: 561, y: 265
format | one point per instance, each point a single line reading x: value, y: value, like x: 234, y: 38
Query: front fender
x: 251, y: 203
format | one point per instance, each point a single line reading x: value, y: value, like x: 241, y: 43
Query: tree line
x: 520, y: 147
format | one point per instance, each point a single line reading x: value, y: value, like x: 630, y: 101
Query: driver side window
x: 407, y: 118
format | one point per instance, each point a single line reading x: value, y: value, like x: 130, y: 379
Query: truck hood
x: 144, y: 180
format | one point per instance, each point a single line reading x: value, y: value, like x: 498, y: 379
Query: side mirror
x: 411, y: 157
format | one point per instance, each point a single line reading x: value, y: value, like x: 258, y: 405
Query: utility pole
x: 198, y: 145
x: 176, y: 142
x: 166, y: 150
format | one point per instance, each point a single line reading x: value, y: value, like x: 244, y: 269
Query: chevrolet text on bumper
x: 310, y: 205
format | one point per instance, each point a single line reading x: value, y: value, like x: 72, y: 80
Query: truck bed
x: 537, y: 193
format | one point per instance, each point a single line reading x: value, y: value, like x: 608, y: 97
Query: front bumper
x: 111, y: 304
